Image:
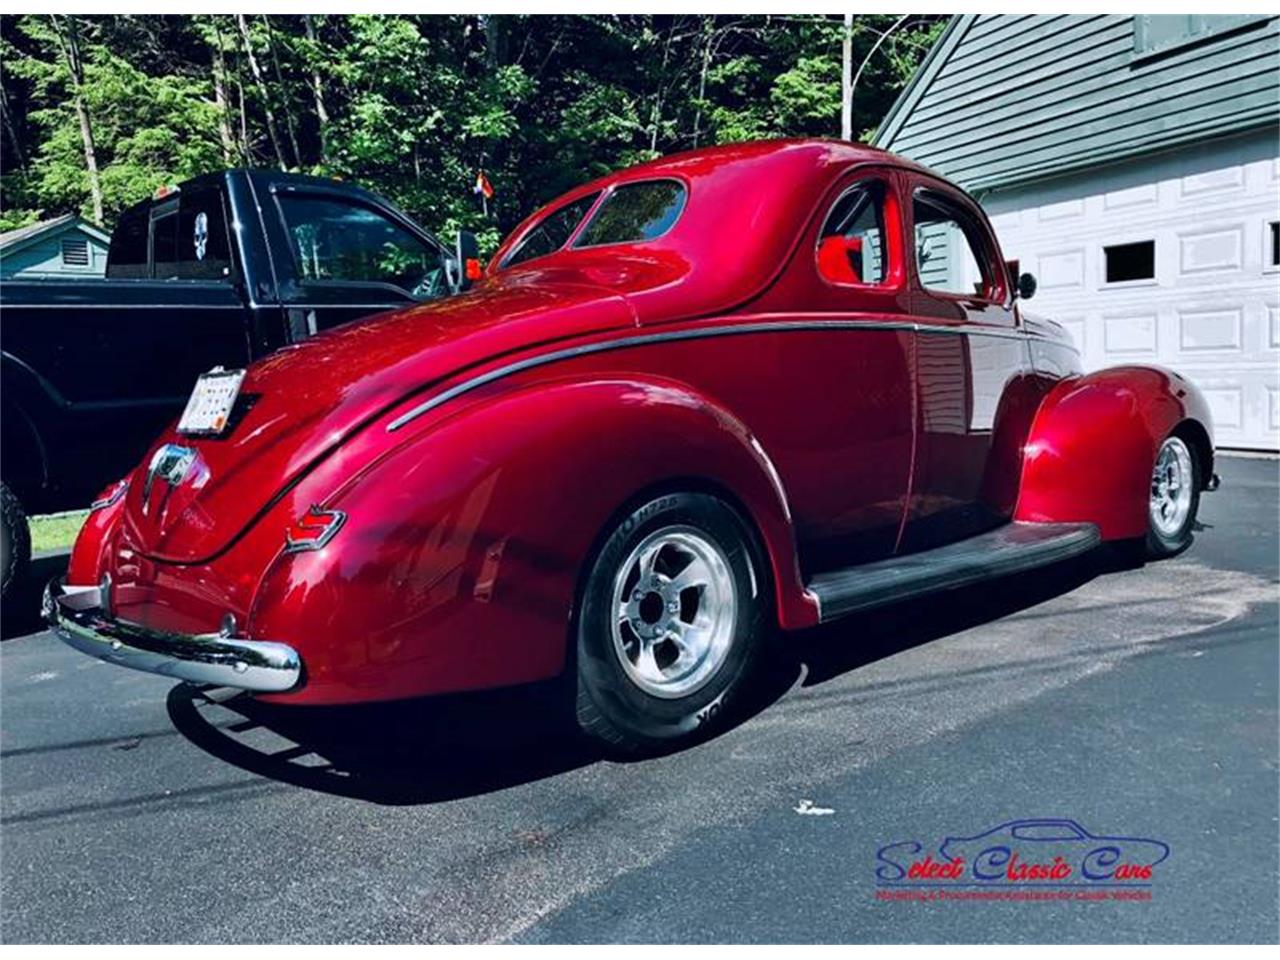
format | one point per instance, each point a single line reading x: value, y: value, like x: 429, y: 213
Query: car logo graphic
x: 170, y: 464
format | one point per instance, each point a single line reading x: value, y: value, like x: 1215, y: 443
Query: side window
x: 950, y: 253
x: 127, y: 256
x: 634, y: 212
x: 550, y: 235
x: 203, y: 247
x: 852, y: 246
x: 338, y: 240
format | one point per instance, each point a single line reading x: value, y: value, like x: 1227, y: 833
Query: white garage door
x: 1170, y: 262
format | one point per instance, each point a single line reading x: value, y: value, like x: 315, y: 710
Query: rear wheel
x: 671, y: 622
x: 1175, y: 499
x: 15, y: 540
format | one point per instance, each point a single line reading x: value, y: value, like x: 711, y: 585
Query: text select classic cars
x: 689, y: 408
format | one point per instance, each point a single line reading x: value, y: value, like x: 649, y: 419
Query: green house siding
x: 1005, y: 99
x: 64, y: 248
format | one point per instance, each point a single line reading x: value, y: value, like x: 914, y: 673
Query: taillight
x: 313, y: 529
x: 110, y: 496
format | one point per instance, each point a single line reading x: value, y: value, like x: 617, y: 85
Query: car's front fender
x: 1093, y: 442
x: 462, y: 549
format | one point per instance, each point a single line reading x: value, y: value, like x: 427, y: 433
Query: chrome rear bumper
x: 77, y: 616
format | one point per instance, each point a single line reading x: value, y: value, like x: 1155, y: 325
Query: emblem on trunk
x: 170, y: 464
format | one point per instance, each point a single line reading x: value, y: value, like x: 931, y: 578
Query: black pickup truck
x: 218, y: 271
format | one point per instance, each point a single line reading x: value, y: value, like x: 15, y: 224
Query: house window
x: 1130, y: 261
x: 1273, y: 244
x: 1157, y: 33
x: 75, y: 252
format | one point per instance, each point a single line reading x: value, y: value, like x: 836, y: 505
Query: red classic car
x: 740, y: 389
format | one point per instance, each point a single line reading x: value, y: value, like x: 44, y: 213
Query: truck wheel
x: 671, y: 622
x: 1175, y: 499
x: 15, y: 540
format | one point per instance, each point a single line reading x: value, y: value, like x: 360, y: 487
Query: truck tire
x: 15, y: 540
x: 672, y: 621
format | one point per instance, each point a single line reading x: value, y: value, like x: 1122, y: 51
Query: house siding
x: 43, y: 259
x: 1019, y: 98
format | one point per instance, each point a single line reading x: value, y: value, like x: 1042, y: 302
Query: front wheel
x: 1175, y: 499
x: 671, y: 622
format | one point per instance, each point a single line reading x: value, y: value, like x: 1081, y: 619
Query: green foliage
x: 413, y: 105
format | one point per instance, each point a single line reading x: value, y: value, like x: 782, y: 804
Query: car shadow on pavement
x: 409, y: 752
x: 462, y: 745
x: 21, y: 612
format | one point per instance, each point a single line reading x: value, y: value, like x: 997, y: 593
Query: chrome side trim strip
x: 694, y: 333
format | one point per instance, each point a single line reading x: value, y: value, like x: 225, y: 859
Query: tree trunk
x: 317, y: 89
x: 655, y: 116
x: 492, y: 41
x: 261, y: 86
x: 846, y: 80
x: 69, y: 40
x: 6, y: 113
x: 284, y: 93
x: 220, y: 97
x: 708, y: 23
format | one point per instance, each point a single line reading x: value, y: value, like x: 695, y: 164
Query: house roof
x: 13, y: 240
x: 1003, y: 100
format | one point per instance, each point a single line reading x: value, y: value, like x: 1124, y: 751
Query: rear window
x: 550, y: 235
x: 127, y: 256
x: 187, y: 236
x: 633, y: 212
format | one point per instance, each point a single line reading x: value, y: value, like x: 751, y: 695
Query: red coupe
x: 735, y: 390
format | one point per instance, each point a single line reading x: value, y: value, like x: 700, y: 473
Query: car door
x: 971, y: 372
x: 844, y: 413
x: 349, y: 259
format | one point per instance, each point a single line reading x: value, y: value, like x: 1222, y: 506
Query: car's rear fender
x: 458, y: 561
x: 1093, y: 442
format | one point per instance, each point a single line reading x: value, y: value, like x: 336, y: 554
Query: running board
x: 1008, y: 549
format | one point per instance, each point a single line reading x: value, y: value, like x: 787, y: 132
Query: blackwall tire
x: 671, y: 624
x: 1174, y: 499
x: 15, y: 540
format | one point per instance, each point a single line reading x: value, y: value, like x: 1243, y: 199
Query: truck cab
x: 218, y: 271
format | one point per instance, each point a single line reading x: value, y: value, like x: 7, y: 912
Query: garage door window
x: 1127, y: 262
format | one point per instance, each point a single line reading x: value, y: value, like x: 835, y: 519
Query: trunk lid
x: 300, y: 403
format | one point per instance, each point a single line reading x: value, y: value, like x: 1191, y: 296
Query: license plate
x: 211, y: 402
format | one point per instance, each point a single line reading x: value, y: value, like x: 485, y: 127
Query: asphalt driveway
x: 1141, y: 702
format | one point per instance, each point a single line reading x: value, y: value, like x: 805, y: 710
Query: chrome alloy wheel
x: 676, y: 606
x: 1171, y: 488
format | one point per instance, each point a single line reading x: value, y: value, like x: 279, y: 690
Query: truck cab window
x: 164, y: 241
x: 203, y: 248
x: 336, y: 240
x: 127, y: 257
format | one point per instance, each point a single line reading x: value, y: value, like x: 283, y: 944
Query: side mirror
x: 467, y: 253
x: 1026, y: 286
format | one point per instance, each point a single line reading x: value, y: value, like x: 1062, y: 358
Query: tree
x: 413, y: 105
x: 68, y: 35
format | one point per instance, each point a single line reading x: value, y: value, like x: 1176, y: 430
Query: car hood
x: 302, y: 403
